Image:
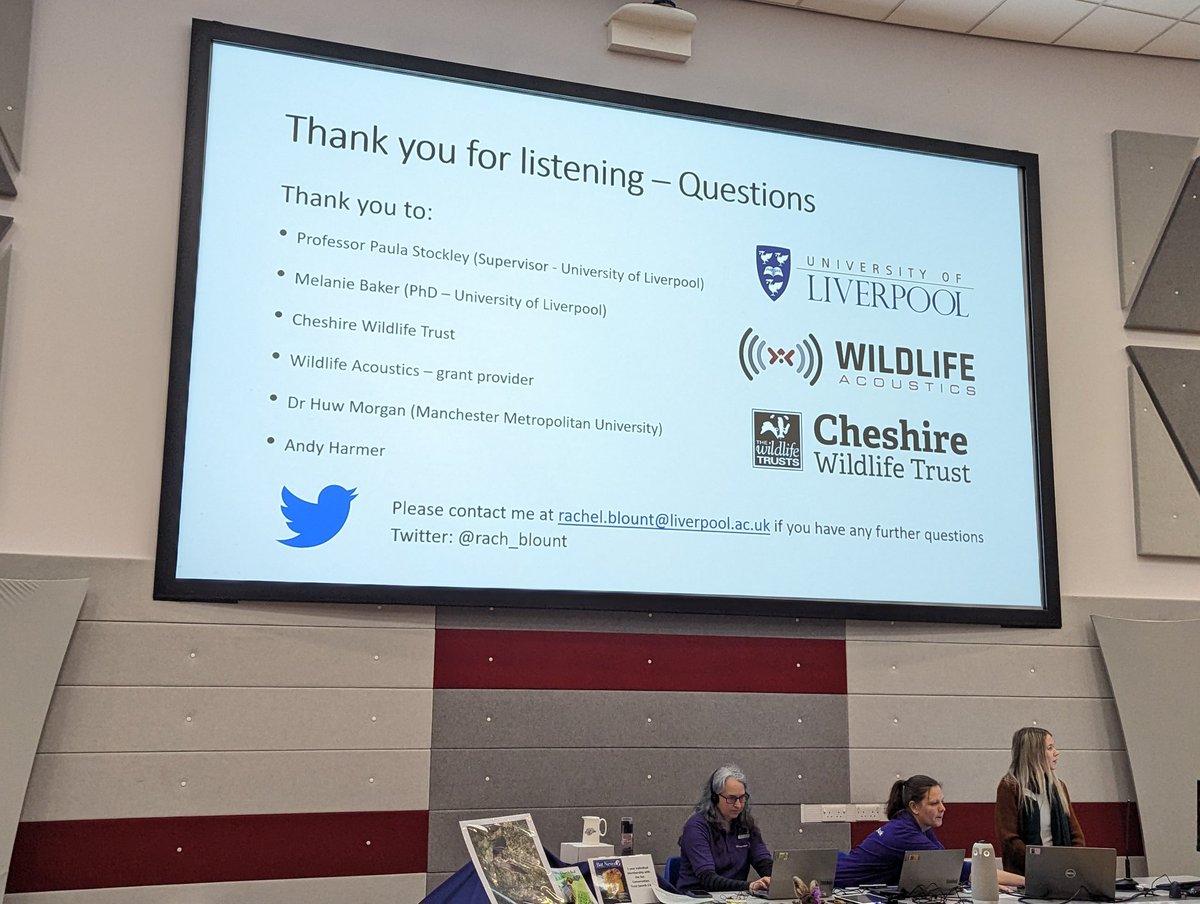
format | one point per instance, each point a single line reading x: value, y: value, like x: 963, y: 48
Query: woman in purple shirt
x: 720, y: 841
x: 915, y: 807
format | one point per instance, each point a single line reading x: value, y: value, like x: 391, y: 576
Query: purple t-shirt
x: 729, y: 854
x: 881, y: 855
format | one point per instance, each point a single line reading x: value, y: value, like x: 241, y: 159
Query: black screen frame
x: 167, y: 586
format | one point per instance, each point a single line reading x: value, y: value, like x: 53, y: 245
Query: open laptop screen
x: 1081, y: 873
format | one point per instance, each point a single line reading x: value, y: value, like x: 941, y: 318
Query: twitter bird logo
x: 316, y: 522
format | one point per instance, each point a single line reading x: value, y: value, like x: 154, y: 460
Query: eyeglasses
x: 734, y: 799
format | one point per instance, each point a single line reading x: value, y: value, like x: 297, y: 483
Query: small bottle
x: 626, y: 836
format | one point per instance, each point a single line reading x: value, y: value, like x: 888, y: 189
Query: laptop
x: 1081, y: 873
x: 929, y: 873
x: 808, y: 865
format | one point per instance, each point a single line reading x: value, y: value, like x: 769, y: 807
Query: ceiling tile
x: 1180, y: 40
x: 1115, y: 29
x: 1042, y: 21
x: 859, y: 9
x: 1174, y: 8
x: 960, y: 16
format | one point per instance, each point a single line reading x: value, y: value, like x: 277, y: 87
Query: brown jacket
x: 1012, y: 829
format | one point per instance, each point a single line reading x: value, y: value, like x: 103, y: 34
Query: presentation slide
x: 459, y: 335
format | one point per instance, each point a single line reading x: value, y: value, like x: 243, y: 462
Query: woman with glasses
x: 720, y: 841
x: 1032, y: 804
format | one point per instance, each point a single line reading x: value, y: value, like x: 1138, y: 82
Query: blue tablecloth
x: 464, y: 886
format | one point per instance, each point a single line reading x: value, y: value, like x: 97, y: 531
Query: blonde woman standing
x: 1032, y: 804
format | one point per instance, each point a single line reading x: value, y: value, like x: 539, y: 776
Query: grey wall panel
x: 36, y: 618
x: 129, y: 785
x: 400, y: 889
x: 1172, y: 379
x: 173, y: 655
x: 499, y: 779
x: 635, y: 622
x: 901, y: 721
x: 656, y: 830
x: 1167, y: 295
x: 1076, y: 631
x: 972, y: 775
x: 975, y: 670
x: 1148, y: 170
x: 505, y: 718
x: 1166, y: 504
x: 893, y: 632
x: 1155, y: 673
x: 128, y: 719
x: 16, y: 24
x: 121, y: 590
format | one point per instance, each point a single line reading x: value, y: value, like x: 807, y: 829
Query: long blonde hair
x: 1029, y: 767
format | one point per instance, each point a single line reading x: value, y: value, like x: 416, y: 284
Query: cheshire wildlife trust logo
x: 774, y: 266
x: 776, y: 439
x: 317, y: 522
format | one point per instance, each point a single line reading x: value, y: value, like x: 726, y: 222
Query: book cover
x: 571, y: 886
x: 608, y: 877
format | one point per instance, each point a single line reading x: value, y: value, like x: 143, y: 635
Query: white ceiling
x: 1169, y: 28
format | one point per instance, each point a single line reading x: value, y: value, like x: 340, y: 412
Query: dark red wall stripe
x: 576, y: 660
x: 115, y: 853
x: 1103, y: 825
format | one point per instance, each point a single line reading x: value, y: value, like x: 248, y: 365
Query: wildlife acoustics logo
x: 774, y: 266
x: 317, y: 522
x: 803, y: 357
x: 777, y: 441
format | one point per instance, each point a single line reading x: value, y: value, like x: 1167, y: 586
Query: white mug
x: 594, y: 828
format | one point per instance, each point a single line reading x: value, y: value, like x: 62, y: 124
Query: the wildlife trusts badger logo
x: 777, y: 441
x: 774, y: 265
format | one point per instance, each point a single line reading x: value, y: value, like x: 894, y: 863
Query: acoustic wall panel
x: 126, y: 719
x: 67, y: 854
x: 16, y: 24
x: 356, y: 889
x: 549, y: 719
x: 585, y: 660
x: 170, y: 655
x: 1077, y: 630
x: 1155, y: 673
x: 80, y: 786
x: 120, y: 590
x: 1166, y: 505
x: 599, y: 775
x: 297, y: 736
x: 1148, y: 171
x: 1168, y: 297
x: 979, y: 671
x: 36, y: 619
x: 1172, y: 378
x: 972, y: 775
x: 902, y: 721
x: 637, y: 623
